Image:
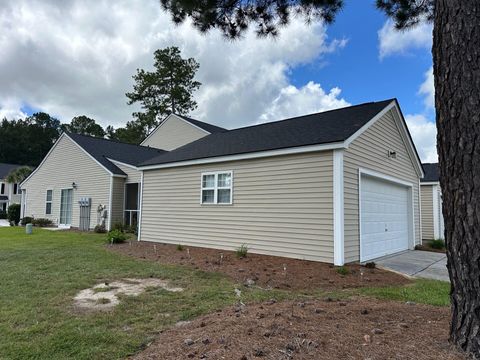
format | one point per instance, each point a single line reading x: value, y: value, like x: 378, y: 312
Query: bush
x: 116, y: 237
x: 242, y: 251
x: 118, y: 226
x: 100, y: 229
x: 130, y: 229
x: 370, y: 265
x: 180, y: 247
x: 3, y: 214
x: 13, y: 214
x: 438, y: 244
x: 26, y: 220
x: 343, y: 270
x: 42, y: 222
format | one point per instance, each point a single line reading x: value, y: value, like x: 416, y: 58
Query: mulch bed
x: 358, y: 328
x: 265, y: 271
x: 427, y: 247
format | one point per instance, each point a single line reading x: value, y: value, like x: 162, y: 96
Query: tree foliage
x: 168, y: 89
x: 28, y: 140
x: 85, y: 126
x: 19, y: 174
x: 133, y: 133
x: 234, y: 17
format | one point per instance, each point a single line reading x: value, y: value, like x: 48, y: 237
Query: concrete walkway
x: 422, y: 264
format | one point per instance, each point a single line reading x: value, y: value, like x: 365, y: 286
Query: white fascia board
x: 122, y: 163
x: 253, y: 155
x: 430, y: 183
x: 338, y: 209
x: 140, y: 210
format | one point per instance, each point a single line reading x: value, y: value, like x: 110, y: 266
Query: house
x: 431, y: 201
x: 85, y: 181
x: 9, y: 193
x: 338, y: 186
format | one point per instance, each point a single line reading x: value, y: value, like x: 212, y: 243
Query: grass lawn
x: 41, y: 273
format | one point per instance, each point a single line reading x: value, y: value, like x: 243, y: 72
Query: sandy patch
x: 104, y: 296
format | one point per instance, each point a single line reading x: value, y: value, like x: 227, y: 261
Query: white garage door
x: 385, y: 221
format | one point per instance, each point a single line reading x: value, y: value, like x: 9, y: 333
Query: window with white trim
x: 217, y: 187
x: 48, y: 202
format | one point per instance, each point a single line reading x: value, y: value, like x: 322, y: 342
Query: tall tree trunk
x: 456, y: 59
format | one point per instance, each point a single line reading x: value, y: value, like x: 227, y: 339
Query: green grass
x: 40, y: 274
x: 422, y: 291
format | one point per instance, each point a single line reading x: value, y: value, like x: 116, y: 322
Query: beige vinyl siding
x: 427, y: 212
x: 133, y: 175
x: 281, y: 206
x: 118, y: 193
x: 370, y: 151
x: 67, y: 163
x: 173, y: 133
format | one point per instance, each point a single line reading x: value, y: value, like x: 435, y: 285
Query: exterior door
x: 385, y: 215
x: 66, y: 206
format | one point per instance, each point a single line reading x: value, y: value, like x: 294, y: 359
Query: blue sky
x: 357, y: 68
x: 78, y: 58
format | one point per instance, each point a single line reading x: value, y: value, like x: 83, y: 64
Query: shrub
x: 370, y: 265
x: 26, y: 220
x: 342, y: 270
x: 118, y: 226
x: 130, y: 229
x: 13, y: 214
x: 242, y: 251
x: 100, y: 229
x: 42, y: 222
x: 3, y: 214
x: 116, y: 237
x: 438, y: 244
x: 180, y: 247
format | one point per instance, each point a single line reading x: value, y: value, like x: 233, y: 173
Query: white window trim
x: 216, y: 188
x: 51, y: 202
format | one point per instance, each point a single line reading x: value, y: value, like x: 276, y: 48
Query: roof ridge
x: 312, y: 114
x: 190, y: 119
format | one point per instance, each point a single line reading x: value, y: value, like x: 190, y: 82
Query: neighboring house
x: 338, y: 186
x: 178, y: 130
x: 9, y: 193
x: 84, y: 181
x: 431, y: 201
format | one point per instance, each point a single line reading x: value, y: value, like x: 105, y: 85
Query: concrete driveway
x: 422, y: 264
x: 4, y: 222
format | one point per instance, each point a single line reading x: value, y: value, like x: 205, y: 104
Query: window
x: 48, y: 202
x: 16, y: 189
x: 217, y: 187
x: 2, y: 188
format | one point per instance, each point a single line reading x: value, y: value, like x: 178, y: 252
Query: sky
x: 76, y: 57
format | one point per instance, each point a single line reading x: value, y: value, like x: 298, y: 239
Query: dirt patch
x: 360, y: 328
x: 427, y: 247
x: 104, y: 296
x: 262, y: 270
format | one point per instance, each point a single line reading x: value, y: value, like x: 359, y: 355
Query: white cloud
x: 72, y: 58
x: 427, y: 89
x: 10, y: 109
x: 424, y: 134
x: 392, y: 41
x: 293, y: 101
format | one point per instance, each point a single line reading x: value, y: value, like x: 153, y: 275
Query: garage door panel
x: 384, y: 217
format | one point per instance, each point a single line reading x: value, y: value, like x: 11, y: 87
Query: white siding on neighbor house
x: 67, y: 163
x: 427, y: 212
x: 118, y: 191
x: 133, y: 175
x: 282, y: 206
x: 173, y: 133
x: 370, y: 151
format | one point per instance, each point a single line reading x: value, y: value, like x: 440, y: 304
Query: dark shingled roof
x: 101, y: 149
x: 321, y: 128
x: 212, y: 129
x: 431, y: 172
x: 6, y: 168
